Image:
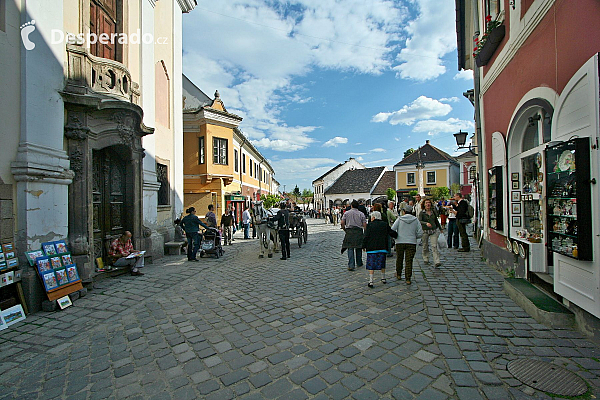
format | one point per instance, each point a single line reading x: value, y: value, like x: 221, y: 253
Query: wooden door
x: 103, y: 19
x: 109, y: 200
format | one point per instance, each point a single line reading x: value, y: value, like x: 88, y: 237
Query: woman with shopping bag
x: 431, y: 230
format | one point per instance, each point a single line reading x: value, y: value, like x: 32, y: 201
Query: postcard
x: 61, y: 247
x: 32, y: 255
x: 72, y: 273
x: 13, y: 315
x: 8, y: 247
x: 1, y: 257
x: 13, y: 262
x: 66, y: 259
x: 43, y: 264
x: 61, y: 276
x: 56, y: 263
x: 49, y: 280
x: 3, y: 266
x: 2, y: 323
x: 49, y: 248
x: 10, y: 254
x: 64, y: 302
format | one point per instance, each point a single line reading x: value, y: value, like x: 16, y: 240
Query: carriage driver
x: 283, y: 225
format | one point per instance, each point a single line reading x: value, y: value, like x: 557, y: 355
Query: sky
x: 318, y: 82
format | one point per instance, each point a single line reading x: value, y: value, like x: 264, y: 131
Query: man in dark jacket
x: 363, y: 209
x: 462, y: 220
x: 191, y: 225
x: 283, y: 225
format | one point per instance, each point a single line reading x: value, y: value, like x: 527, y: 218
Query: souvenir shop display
x: 56, y: 269
x: 569, y: 197
x: 532, y: 176
x: 496, y: 195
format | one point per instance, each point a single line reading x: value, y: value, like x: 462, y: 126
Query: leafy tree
x: 307, y: 196
x: 409, y: 152
x: 296, y: 194
x: 455, y: 188
x: 439, y: 192
x: 272, y: 200
x: 391, y: 193
x: 413, y: 193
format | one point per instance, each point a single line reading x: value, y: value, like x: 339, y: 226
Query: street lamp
x: 461, y: 139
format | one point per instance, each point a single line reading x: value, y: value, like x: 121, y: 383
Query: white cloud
x: 450, y: 99
x: 380, y: 163
x: 359, y: 158
x: 334, y: 142
x: 464, y: 75
x: 356, y: 154
x: 421, y: 108
x: 434, y: 127
x: 289, y: 169
x: 378, y: 150
x: 258, y: 47
x: 430, y: 36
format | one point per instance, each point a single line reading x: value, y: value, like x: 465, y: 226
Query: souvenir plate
x: 565, y: 160
x: 515, y: 247
x: 521, y: 250
x: 538, y: 160
x: 508, y: 244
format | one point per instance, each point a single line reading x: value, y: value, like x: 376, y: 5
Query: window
x: 162, y: 175
x: 250, y: 167
x: 201, y: 153
x: 410, y: 178
x: 3, y: 15
x: 431, y: 178
x: 492, y: 8
x: 106, y: 19
x: 236, y: 160
x: 472, y: 172
x: 244, y: 163
x: 220, y: 151
x: 531, y: 139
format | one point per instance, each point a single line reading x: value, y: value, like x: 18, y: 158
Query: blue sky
x: 318, y: 82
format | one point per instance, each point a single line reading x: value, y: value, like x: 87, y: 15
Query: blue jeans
x: 246, y: 231
x: 452, y: 233
x: 353, y: 261
x: 193, y: 244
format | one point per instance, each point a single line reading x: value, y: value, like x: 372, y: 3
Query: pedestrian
x: 179, y: 235
x: 409, y: 230
x: 375, y: 244
x: 462, y: 219
x: 431, y: 231
x: 453, y: 235
x: 246, y: 222
x: 121, y: 251
x: 418, y: 205
x: 442, y: 212
x: 227, y: 227
x: 191, y: 225
x: 211, y: 218
x: 331, y: 216
x: 362, y: 208
x: 391, y: 216
x: 283, y: 226
x: 353, y: 223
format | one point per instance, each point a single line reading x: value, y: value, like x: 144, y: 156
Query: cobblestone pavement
x: 240, y: 327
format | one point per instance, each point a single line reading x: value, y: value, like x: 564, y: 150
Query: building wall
x: 442, y: 177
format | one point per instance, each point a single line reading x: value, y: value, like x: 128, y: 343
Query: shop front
x: 237, y: 201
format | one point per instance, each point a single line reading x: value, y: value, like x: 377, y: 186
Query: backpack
x: 471, y: 212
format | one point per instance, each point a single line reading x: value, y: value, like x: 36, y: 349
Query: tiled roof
x: 356, y: 181
x: 429, y: 154
x: 467, y: 154
x: 388, y: 180
x: 333, y: 169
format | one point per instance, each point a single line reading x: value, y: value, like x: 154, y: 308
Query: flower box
x: 490, y: 46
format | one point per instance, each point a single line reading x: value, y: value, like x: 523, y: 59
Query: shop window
x: 201, y: 151
x: 220, y: 151
x: 410, y: 178
x: 472, y: 172
x: 431, y: 178
x: 162, y: 175
x: 236, y: 160
x: 531, y: 138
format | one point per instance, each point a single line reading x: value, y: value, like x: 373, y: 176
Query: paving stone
x: 314, y: 385
x: 303, y: 374
x: 385, y: 383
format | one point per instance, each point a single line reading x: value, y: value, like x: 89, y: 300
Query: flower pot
x: 490, y: 46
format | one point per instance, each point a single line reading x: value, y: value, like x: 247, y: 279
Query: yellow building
x: 428, y: 167
x: 221, y: 166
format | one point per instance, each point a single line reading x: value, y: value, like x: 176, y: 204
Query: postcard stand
x: 55, y: 267
x: 64, y: 290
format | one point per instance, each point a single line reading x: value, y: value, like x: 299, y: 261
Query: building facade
x: 428, y: 167
x: 92, y: 129
x: 354, y: 184
x: 468, y: 172
x: 221, y: 166
x: 539, y: 116
x: 324, y: 182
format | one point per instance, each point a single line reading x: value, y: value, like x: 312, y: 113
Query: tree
x: 307, y: 196
x: 272, y: 200
x: 439, y: 192
x: 409, y: 152
x: 391, y: 193
x: 455, y: 188
x: 413, y: 193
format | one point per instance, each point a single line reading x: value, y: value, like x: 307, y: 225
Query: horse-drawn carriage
x: 298, y: 227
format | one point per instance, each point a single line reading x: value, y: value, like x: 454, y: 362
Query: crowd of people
x: 384, y: 227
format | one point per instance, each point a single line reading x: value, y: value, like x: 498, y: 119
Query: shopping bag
x: 442, y: 242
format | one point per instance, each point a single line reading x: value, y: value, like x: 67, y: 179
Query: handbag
x: 442, y: 242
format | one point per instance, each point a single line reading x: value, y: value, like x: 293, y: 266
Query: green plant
x: 413, y: 193
x: 439, y: 192
x: 391, y: 193
x: 489, y: 27
x: 408, y: 152
x: 272, y: 200
x: 455, y: 188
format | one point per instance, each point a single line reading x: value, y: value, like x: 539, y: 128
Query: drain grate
x: 547, y: 377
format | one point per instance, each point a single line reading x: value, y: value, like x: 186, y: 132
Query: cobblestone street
x: 250, y: 328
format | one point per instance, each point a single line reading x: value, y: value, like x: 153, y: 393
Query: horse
x: 265, y: 228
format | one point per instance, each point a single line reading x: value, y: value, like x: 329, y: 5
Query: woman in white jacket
x: 409, y: 230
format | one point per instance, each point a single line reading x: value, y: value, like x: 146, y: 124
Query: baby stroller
x: 211, y: 243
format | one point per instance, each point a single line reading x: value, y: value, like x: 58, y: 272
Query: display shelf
x: 563, y: 216
x: 563, y: 234
x: 496, y: 195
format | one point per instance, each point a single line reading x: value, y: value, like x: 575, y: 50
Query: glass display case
x: 496, y: 196
x: 569, y: 199
x: 531, y: 167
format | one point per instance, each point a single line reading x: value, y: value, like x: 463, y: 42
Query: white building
x: 324, y: 182
x: 354, y: 184
x: 91, y: 133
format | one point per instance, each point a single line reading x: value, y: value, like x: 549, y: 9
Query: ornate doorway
x: 110, y: 198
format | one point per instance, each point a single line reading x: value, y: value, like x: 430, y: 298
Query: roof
x: 333, y: 169
x: 356, y: 181
x: 388, y: 180
x: 466, y: 154
x: 427, y: 154
x: 193, y: 96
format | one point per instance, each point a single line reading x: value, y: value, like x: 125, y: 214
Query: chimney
x: 427, y: 141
